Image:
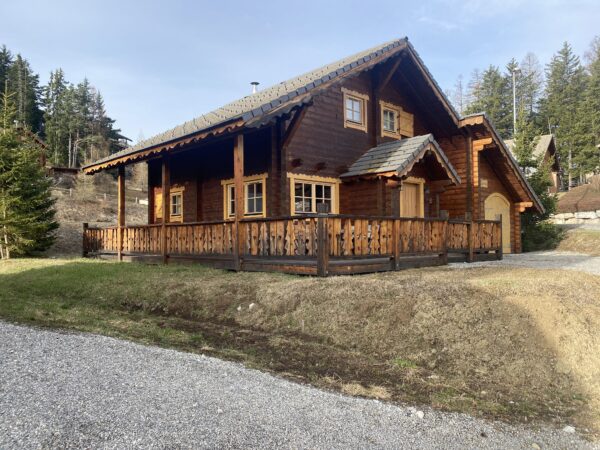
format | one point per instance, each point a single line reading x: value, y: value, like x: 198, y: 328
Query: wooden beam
x: 120, y: 210
x: 482, y: 142
x: 388, y: 76
x: 274, y: 173
x: 375, y: 128
x: 424, y: 107
x: 293, y: 126
x: 523, y: 205
x: 166, y: 205
x: 238, y: 181
x: 162, y: 148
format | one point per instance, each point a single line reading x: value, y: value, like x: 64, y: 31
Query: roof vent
x: 254, y: 86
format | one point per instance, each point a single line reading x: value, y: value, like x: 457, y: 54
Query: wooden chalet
x: 545, y: 153
x: 361, y: 165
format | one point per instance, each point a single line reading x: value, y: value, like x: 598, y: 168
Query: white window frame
x: 313, y: 181
x: 362, y: 99
x: 229, y: 199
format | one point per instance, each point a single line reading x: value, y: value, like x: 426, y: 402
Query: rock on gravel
x: 67, y: 390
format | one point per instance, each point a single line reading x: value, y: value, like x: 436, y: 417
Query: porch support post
x: 238, y: 180
x: 470, y: 237
x: 322, y: 241
x: 444, y: 216
x: 120, y: 211
x: 500, y: 251
x: 166, y: 205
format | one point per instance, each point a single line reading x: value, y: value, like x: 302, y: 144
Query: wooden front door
x: 411, y: 200
x: 495, y: 205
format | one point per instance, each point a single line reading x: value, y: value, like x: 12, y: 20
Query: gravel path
x: 544, y: 260
x: 67, y: 390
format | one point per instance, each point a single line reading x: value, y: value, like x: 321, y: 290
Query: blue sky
x: 159, y: 64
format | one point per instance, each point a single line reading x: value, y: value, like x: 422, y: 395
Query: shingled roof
x: 264, y: 101
x: 399, y: 157
x: 540, y: 149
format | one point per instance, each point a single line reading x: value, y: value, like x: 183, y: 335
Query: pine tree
x: 55, y: 117
x: 26, y: 206
x: 25, y: 83
x: 6, y: 61
x: 529, y: 84
x: 592, y: 107
x: 563, y: 107
x: 492, y: 94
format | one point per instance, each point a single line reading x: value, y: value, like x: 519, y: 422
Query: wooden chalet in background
x: 360, y: 165
x: 545, y: 153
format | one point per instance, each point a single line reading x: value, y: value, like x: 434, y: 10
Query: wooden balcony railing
x: 388, y: 240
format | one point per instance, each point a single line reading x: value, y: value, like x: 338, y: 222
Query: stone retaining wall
x: 578, y: 218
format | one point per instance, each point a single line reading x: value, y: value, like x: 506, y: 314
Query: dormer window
x: 390, y: 115
x: 355, y: 107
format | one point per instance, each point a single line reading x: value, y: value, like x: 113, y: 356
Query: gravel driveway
x: 67, y: 390
x: 544, y: 260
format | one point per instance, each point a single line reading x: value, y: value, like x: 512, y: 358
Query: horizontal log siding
x: 454, y: 199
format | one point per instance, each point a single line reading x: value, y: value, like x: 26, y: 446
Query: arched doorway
x: 497, y: 204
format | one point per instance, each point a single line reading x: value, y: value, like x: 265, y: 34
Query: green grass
x: 404, y: 363
x: 344, y: 332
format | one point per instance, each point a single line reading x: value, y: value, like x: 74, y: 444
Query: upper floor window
x: 309, y: 191
x: 355, y: 107
x: 390, y: 117
x: 389, y: 121
x: 254, y: 193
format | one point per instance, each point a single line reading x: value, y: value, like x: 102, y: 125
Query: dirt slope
x: 76, y: 206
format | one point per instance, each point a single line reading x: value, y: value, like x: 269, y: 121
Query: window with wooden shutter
x: 407, y: 122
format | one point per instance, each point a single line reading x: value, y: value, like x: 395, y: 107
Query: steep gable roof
x: 267, y: 100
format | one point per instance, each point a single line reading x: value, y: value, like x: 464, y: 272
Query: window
x: 389, y: 121
x: 254, y: 198
x: 176, y: 203
x: 390, y: 115
x: 254, y: 193
x: 308, y: 192
x: 354, y: 107
x: 175, y: 207
x: 355, y: 110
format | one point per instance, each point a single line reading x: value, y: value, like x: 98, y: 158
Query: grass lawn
x: 508, y: 343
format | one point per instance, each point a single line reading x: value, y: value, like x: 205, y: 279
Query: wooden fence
x: 293, y: 244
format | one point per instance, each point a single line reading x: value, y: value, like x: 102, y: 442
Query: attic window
x: 355, y: 107
x: 390, y: 115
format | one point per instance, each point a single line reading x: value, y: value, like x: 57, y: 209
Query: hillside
x: 94, y: 203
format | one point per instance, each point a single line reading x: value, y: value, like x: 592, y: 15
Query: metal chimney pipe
x: 254, y: 86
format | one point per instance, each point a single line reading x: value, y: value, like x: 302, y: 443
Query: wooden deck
x: 354, y: 244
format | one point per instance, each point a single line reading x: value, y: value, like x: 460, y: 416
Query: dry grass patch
x: 507, y: 343
x: 581, y: 241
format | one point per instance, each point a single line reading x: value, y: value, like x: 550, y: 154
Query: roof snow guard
x: 399, y: 157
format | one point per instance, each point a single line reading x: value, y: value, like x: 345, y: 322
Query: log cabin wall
x: 198, y: 172
x: 376, y: 196
x: 454, y: 199
x: 323, y: 146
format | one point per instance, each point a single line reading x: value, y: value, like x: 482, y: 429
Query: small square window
x: 355, y: 107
